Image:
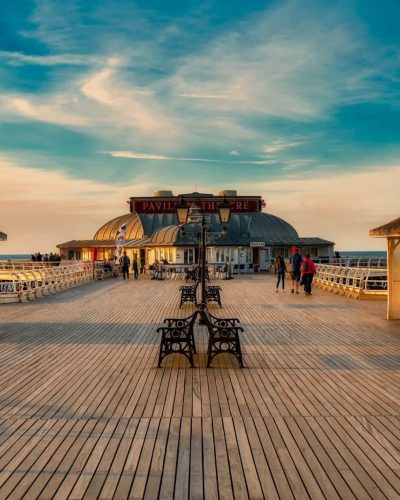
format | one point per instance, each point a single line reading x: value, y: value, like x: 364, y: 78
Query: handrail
x: 362, y: 262
x: 30, y: 265
x: 20, y: 285
x: 351, y: 281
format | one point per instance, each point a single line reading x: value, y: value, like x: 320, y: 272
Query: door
x: 265, y: 259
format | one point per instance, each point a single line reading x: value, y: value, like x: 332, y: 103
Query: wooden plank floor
x: 85, y: 412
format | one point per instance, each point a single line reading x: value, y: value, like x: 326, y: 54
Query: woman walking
x: 280, y: 269
x: 308, y: 269
x: 135, y: 267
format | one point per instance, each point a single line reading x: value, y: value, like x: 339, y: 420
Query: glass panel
x: 396, y: 260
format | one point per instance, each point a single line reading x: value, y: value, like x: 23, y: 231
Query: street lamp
x: 182, y: 212
x: 224, y: 211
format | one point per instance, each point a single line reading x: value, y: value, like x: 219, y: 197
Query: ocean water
x: 367, y: 254
x: 15, y: 256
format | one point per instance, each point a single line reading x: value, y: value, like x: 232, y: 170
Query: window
x: 224, y: 254
x: 188, y: 256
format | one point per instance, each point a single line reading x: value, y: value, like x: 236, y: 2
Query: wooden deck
x: 85, y: 412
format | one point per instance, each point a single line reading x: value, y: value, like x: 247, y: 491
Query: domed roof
x: 271, y: 229
x: 134, y: 228
x: 243, y: 228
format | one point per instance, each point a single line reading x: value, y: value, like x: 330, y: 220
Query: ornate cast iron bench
x: 213, y: 294
x: 177, y: 337
x: 223, y: 336
x: 188, y: 294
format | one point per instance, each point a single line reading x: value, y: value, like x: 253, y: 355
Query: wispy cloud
x: 58, y: 109
x: 150, y: 156
x: 279, y: 145
x: 204, y: 96
x: 285, y: 63
x: 48, y: 60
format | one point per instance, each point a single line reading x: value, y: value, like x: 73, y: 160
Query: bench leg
x: 166, y: 349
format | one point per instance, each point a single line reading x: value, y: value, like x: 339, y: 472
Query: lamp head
x: 182, y: 211
x: 224, y: 211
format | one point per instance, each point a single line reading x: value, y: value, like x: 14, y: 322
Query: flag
x: 120, y: 242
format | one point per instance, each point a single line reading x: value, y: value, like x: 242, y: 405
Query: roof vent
x: 163, y: 194
x: 228, y: 192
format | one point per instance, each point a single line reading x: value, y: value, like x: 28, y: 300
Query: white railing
x: 351, y: 281
x: 20, y: 284
x: 29, y: 265
x: 370, y: 262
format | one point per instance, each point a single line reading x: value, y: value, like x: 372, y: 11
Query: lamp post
x: 182, y: 212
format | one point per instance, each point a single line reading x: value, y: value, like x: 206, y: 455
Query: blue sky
x: 114, y: 98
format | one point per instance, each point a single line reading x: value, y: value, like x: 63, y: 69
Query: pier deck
x: 85, y: 412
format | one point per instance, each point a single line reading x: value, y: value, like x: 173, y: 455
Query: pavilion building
x: 252, y: 238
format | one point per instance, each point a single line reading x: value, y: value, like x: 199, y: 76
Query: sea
x: 15, y: 256
x: 366, y: 254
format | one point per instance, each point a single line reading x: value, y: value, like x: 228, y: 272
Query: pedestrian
x: 308, y: 269
x: 295, y: 270
x: 125, y: 265
x: 280, y: 269
x: 135, y: 267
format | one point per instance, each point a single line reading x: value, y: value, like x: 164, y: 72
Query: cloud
x: 204, y: 96
x: 100, y: 100
x: 48, y: 60
x: 58, y: 109
x: 151, y: 156
x: 279, y: 145
x: 290, y: 61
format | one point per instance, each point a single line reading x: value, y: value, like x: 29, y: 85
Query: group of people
x: 125, y: 263
x: 302, y: 271
x: 52, y: 257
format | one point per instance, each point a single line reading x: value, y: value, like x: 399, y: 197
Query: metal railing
x: 370, y: 262
x: 29, y: 265
x: 19, y: 284
x: 351, y: 281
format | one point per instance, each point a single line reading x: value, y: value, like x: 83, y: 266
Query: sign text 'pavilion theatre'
x: 252, y: 237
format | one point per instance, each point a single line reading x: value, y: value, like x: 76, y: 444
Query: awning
x: 392, y: 228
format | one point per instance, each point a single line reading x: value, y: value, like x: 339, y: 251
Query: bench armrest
x: 174, y: 321
x: 224, y: 321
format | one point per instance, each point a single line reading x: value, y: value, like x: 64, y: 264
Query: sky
x: 297, y: 101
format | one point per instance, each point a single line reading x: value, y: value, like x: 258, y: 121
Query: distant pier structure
x: 391, y: 231
x: 251, y: 240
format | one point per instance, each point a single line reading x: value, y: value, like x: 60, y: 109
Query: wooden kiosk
x: 391, y: 231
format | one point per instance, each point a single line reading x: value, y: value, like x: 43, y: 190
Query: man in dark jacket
x: 295, y: 270
x: 125, y: 265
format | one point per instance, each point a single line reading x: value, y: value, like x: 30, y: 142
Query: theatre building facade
x: 251, y: 239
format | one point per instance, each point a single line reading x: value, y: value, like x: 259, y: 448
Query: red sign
x: 207, y: 205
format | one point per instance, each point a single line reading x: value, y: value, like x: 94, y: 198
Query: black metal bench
x: 223, y: 336
x: 177, y: 337
x: 188, y: 294
x: 213, y: 294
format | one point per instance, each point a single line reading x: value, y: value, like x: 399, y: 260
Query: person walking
x: 295, y: 270
x: 280, y: 269
x: 135, y: 267
x: 125, y: 265
x: 308, y: 269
